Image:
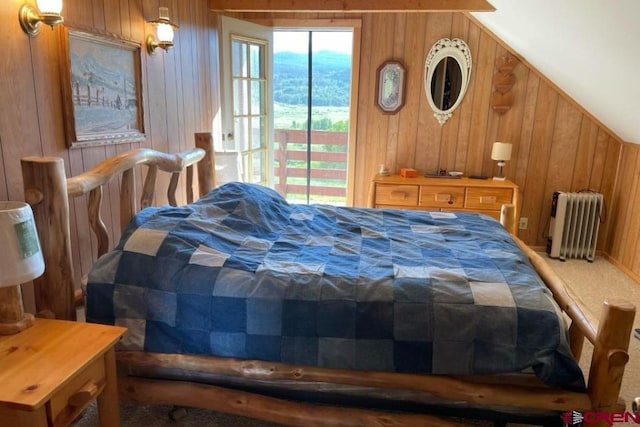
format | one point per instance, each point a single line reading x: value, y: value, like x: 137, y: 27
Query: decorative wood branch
x: 503, y: 81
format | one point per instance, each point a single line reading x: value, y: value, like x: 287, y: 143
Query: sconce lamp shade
x: 53, y: 7
x: 21, y: 259
x: 164, y: 32
x: 501, y: 151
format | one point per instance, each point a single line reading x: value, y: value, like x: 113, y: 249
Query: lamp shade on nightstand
x: 501, y: 151
x: 20, y: 261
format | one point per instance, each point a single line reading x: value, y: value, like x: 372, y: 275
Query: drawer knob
x: 86, y: 393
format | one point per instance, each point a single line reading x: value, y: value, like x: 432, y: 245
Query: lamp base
x: 13, y: 319
x: 13, y: 328
x: 499, y: 178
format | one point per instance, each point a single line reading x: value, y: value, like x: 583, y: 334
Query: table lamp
x: 501, y: 152
x: 21, y: 261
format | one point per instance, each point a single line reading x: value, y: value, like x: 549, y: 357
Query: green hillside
x: 331, y: 78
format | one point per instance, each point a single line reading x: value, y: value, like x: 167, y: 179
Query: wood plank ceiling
x: 342, y: 6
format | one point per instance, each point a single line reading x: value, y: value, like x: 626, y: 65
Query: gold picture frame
x: 390, y: 87
x: 102, y: 89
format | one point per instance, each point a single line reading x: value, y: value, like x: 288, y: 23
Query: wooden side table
x: 51, y: 371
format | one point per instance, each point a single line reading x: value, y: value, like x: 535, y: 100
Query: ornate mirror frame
x: 443, y: 48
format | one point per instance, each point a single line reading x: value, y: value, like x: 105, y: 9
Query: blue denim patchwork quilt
x: 242, y: 273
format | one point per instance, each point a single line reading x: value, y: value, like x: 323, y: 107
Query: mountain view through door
x: 311, y: 87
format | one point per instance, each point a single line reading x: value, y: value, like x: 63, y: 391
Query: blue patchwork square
x: 264, y: 316
x: 161, y: 338
x: 412, y: 356
x: 264, y: 347
x: 299, y: 318
x: 337, y: 353
x: 161, y: 306
x: 374, y: 320
x: 194, y: 312
x: 194, y: 341
x: 100, y: 303
x: 537, y: 328
x: 375, y: 355
x: 228, y: 344
x: 413, y: 321
x: 228, y: 314
x: 337, y: 319
x: 134, y: 269
x: 196, y: 279
x: 300, y: 350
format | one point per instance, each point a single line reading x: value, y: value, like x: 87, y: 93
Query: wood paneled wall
x: 177, y: 90
x: 623, y: 244
x: 556, y: 146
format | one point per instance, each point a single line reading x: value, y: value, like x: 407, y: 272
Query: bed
x: 242, y: 303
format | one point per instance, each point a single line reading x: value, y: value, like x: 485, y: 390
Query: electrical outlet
x: 524, y: 222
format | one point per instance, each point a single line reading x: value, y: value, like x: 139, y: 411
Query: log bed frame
x: 48, y: 191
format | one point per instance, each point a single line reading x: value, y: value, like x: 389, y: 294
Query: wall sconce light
x: 48, y: 11
x: 164, y: 32
x: 501, y: 151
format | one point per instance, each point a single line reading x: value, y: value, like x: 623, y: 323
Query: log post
x: 206, y: 167
x: 54, y: 290
x: 610, y: 355
x: 127, y: 198
x: 508, y: 218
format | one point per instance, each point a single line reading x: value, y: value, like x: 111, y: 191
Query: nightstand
x: 51, y: 371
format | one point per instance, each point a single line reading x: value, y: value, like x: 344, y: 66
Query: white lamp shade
x: 501, y: 151
x: 165, y: 33
x: 21, y: 259
x: 50, y: 6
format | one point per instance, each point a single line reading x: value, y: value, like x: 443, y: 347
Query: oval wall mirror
x: 447, y: 70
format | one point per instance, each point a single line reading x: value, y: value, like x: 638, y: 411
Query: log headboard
x: 45, y: 184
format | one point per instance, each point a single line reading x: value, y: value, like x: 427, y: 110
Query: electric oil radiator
x: 575, y: 220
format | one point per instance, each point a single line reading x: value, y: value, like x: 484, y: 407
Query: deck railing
x: 328, y: 172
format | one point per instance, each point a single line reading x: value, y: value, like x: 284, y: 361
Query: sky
x: 298, y: 42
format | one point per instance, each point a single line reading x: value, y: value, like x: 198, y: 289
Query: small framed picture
x: 102, y: 89
x: 390, y: 87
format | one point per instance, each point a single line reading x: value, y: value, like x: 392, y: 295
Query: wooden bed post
x: 206, y: 167
x: 610, y: 355
x: 46, y: 191
x: 508, y: 218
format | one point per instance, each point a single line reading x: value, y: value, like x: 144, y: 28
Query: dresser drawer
x: 487, y: 198
x: 398, y: 195
x: 441, y: 197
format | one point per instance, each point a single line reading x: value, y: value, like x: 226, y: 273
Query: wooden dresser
x: 448, y: 194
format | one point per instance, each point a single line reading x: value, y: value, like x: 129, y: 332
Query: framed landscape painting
x: 102, y: 89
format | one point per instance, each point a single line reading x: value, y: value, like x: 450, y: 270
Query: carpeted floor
x: 591, y: 283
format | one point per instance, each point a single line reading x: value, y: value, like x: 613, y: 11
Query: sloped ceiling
x: 588, y: 48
